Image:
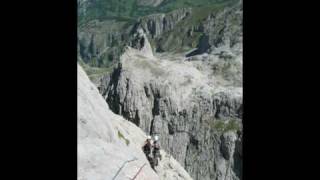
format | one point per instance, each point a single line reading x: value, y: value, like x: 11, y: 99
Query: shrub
x: 121, y: 136
x: 226, y: 125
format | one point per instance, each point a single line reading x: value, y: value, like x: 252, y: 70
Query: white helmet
x: 156, y: 138
x: 149, y: 137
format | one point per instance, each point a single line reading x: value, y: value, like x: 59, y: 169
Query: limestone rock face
x: 141, y: 42
x: 82, y: 6
x: 109, y: 146
x: 190, y: 94
x: 224, y: 29
x: 190, y: 103
x: 101, y: 43
x: 157, y: 24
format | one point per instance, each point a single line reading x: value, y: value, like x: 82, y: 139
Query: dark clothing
x: 147, y: 148
x: 156, y: 149
x: 156, y: 153
x: 151, y: 161
x: 147, y: 151
x: 152, y: 152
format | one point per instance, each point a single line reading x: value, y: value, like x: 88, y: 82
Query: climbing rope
x: 138, y: 171
x: 114, y: 177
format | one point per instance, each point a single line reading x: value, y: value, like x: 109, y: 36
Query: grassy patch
x: 95, y: 73
x: 129, y: 9
x: 226, y: 125
x: 106, y: 9
x: 120, y: 135
x: 169, y: 5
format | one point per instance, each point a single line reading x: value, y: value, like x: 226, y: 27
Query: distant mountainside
x: 101, y: 41
x: 107, y: 9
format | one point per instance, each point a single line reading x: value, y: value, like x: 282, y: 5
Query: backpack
x: 147, y: 148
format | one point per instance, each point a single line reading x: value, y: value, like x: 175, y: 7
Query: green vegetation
x: 169, y: 5
x: 107, y: 9
x: 226, y: 125
x: 120, y: 135
x: 129, y: 9
x: 95, y: 72
x: 177, y: 39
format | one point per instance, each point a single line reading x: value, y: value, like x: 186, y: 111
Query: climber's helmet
x: 156, y: 138
x: 148, y: 137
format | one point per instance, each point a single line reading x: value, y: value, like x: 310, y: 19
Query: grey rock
x: 222, y: 29
x: 102, y: 42
x: 157, y: 24
x: 188, y: 102
x: 109, y: 147
x: 173, y: 99
x: 228, y: 144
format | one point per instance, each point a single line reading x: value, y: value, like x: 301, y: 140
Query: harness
x: 156, y: 149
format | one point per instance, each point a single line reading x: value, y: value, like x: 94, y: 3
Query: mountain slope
x: 174, y: 69
x: 106, y: 142
x: 111, y: 9
x: 195, y: 105
x: 203, y: 29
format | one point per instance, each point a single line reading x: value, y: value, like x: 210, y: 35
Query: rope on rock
x: 114, y: 177
x: 138, y: 171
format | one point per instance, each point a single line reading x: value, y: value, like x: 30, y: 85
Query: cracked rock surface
x: 109, y: 146
x: 195, y: 105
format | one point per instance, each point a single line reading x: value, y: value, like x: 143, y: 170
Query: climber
x: 147, y: 147
x: 156, y: 150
